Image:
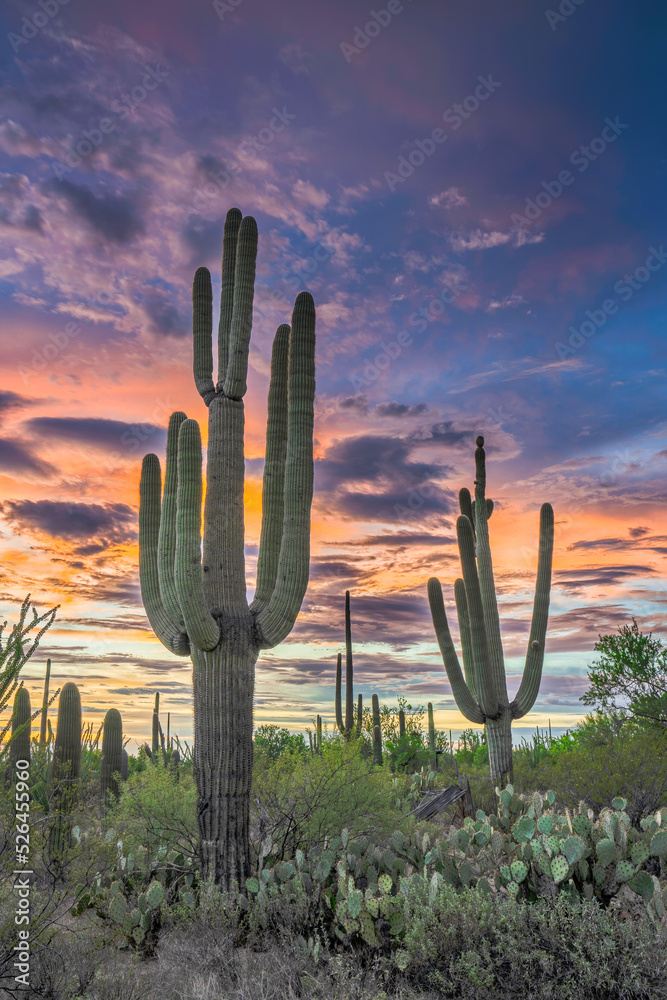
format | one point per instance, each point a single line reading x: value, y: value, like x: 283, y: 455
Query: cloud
x: 394, y: 409
x: 449, y: 199
x: 479, y: 240
x: 164, y: 318
x: 599, y: 576
x: 17, y: 458
x: 99, y: 431
x: 115, y: 217
x: 12, y: 401
x: 103, y: 524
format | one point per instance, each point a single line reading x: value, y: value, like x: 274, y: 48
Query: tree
x: 633, y: 666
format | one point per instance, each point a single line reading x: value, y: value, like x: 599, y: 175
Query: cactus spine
x: 20, y: 739
x: 482, y: 696
x: 348, y: 725
x: 65, y: 767
x: 377, y: 731
x: 202, y: 609
x: 112, y: 757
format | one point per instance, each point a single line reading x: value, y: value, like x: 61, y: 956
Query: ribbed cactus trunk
x: 45, y: 704
x: 65, y: 769
x: 112, y: 758
x: 482, y: 695
x: 431, y: 737
x: 198, y: 606
x: 377, y: 731
x: 401, y: 724
x: 20, y: 740
x: 347, y: 725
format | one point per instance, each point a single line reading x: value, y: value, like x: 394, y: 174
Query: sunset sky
x: 475, y: 196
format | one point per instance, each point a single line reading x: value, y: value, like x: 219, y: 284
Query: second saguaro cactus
x: 196, y: 602
x: 112, y: 757
x: 347, y: 725
x: 65, y: 768
x: 482, y: 695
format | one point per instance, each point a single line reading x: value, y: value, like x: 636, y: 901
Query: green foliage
x: 15, y: 653
x: 274, y: 741
x: 600, y: 760
x: 408, y: 753
x: 157, y: 812
x: 632, y: 667
x: 303, y: 797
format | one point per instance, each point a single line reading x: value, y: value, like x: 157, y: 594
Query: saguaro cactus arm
x: 202, y: 334
x: 464, y: 631
x: 277, y: 620
x: 241, y: 326
x: 273, y: 484
x: 166, y: 550
x: 150, y: 489
x: 484, y: 677
x: 229, y: 241
x: 487, y: 586
x: 462, y: 695
x: 200, y: 625
x: 532, y: 671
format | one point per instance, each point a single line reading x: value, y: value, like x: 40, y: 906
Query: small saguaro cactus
x: 401, y: 724
x: 65, y: 767
x: 124, y: 765
x: 347, y: 725
x: 377, y: 731
x: 318, y: 734
x: 482, y: 696
x: 112, y: 757
x: 195, y: 598
x: 431, y: 736
x: 45, y: 704
x: 19, y: 748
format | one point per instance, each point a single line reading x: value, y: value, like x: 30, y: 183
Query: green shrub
x: 601, y: 764
x: 157, y: 811
x: 300, y: 800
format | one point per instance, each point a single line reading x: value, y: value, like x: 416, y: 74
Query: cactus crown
x: 190, y: 604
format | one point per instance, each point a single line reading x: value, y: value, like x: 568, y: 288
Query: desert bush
x: 601, y: 763
x: 155, y: 810
x: 300, y: 800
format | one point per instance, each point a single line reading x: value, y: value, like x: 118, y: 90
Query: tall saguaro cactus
x: 482, y: 696
x: 198, y: 605
x: 347, y: 725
